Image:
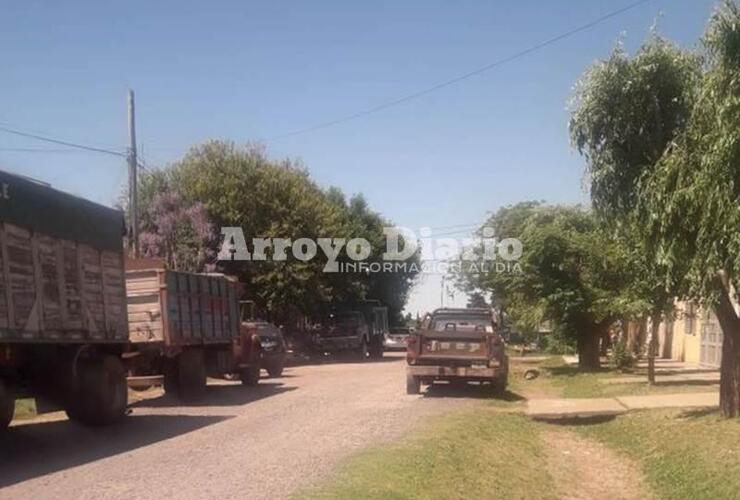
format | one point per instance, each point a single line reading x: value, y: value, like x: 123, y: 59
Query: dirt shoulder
x: 583, y: 469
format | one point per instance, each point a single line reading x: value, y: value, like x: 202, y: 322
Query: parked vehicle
x: 63, y: 322
x: 272, y: 346
x: 457, y: 345
x: 395, y: 339
x: 359, y: 328
x: 183, y: 327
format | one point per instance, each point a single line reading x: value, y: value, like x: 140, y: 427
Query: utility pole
x: 442, y: 293
x: 132, y: 182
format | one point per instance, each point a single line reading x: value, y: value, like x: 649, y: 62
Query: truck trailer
x: 63, y: 324
x: 184, y: 327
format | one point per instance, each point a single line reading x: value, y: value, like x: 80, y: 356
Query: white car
x: 395, y: 340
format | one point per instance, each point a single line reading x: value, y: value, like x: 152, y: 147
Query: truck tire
x: 170, y: 373
x: 498, y: 384
x: 376, y: 348
x: 99, y: 392
x: 498, y: 387
x: 191, y: 374
x: 413, y: 384
x: 251, y: 376
x: 7, y: 405
x: 275, y: 370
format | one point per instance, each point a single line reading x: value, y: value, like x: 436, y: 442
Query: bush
x: 558, y: 343
x: 620, y: 356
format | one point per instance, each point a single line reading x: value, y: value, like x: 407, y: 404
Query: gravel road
x: 264, y: 442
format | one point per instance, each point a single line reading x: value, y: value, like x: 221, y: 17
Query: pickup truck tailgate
x: 454, y: 346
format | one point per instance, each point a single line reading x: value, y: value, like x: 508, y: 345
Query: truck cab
x: 246, y: 346
x: 457, y: 345
x: 360, y: 328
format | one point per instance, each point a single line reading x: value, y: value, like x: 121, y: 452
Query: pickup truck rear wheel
x: 7, y: 405
x: 99, y: 391
x: 498, y: 384
x: 413, y: 384
x: 498, y: 387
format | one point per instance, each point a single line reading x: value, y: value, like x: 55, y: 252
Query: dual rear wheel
x: 98, y: 393
x: 185, y: 375
x: 7, y: 404
x: 250, y: 376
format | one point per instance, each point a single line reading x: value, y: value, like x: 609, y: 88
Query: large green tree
x: 242, y: 187
x: 571, y: 272
x: 626, y: 112
x: 480, y: 277
x: 577, y: 273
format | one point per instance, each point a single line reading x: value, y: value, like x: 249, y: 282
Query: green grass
x: 683, y: 454
x: 495, y: 453
x: 472, y: 454
x: 561, y: 380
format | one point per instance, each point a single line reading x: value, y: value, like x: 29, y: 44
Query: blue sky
x: 251, y: 71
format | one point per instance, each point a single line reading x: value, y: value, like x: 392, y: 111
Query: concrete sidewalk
x: 687, y: 400
x: 673, y: 366
x: 708, y: 376
x: 555, y: 409
x: 528, y: 359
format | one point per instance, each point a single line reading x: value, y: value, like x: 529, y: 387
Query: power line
x: 474, y: 224
x: 143, y: 165
x: 39, y: 150
x: 451, y: 233
x: 60, y: 142
x: 457, y: 79
x: 140, y: 162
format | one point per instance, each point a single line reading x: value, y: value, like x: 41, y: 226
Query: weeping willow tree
x: 692, y: 201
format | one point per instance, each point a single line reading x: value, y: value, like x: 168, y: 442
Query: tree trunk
x: 729, y: 385
x: 588, y: 350
x: 652, y: 346
x: 605, y: 343
x: 667, y: 348
x: 634, y: 335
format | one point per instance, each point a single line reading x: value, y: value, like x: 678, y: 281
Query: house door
x: 711, y: 341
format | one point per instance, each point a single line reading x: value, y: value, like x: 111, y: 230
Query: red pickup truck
x: 457, y: 345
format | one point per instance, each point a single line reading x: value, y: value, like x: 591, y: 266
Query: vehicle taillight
x: 412, y: 349
x: 497, y: 345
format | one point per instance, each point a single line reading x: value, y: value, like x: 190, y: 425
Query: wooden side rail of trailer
x: 63, y: 322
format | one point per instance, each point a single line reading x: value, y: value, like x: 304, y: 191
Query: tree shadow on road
x: 573, y: 371
x: 698, y: 383
x: 699, y: 413
x: 220, y: 394
x: 577, y: 421
x: 345, y: 358
x: 33, y: 450
x: 663, y: 371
